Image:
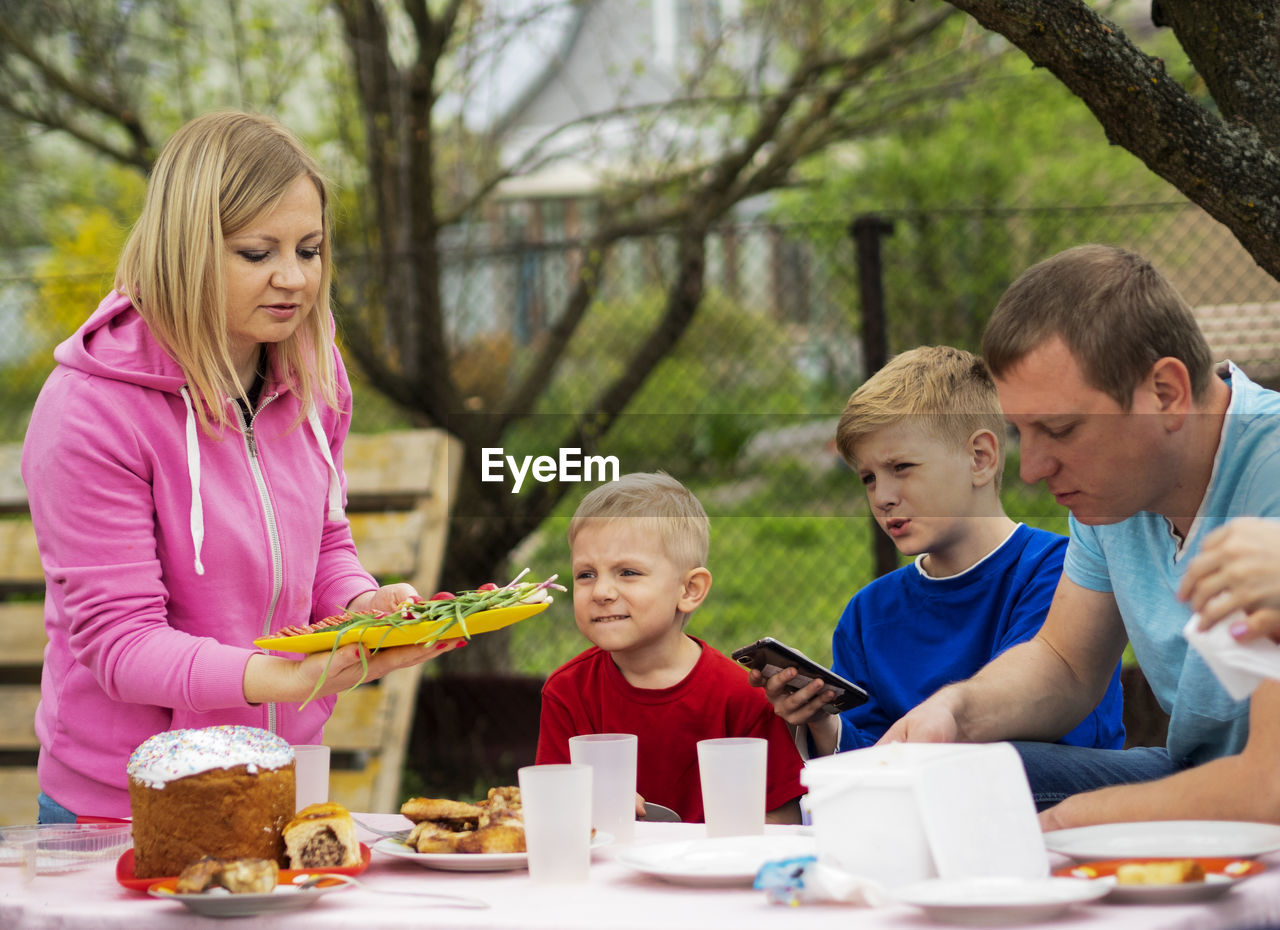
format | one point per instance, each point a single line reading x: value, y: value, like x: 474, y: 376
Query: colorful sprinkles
x: 178, y: 753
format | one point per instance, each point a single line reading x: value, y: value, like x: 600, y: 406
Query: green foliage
x: 700, y: 407
x: 84, y: 236
x: 1015, y: 137
x: 18, y: 196
x: 75, y: 276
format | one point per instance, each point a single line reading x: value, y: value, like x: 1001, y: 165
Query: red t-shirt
x: 588, y: 694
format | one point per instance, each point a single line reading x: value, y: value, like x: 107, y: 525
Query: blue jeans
x: 53, y: 812
x: 1055, y: 771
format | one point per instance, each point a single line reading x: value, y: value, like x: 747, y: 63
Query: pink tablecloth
x: 616, y: 897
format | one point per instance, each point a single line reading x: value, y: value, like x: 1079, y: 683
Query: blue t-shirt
x: 1138, y: 560
x: 906, y: 635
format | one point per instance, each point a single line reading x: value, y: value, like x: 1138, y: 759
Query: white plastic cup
x: 557, y: 821
x: 310, y: 774
x: 732, y: 770
x: 612, y: 757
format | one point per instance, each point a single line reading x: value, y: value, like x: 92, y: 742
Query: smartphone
x: 770, y: 657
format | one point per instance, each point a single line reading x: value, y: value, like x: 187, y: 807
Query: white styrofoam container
x: 907, y: 812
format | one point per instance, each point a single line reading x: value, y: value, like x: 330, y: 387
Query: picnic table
x: 616, y: 896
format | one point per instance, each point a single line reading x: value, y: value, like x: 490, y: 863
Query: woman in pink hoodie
x: 184, y: 466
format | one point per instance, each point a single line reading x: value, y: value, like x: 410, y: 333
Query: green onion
x: 453, y: 611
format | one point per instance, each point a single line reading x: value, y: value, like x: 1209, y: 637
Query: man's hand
x: 930, y: 722
x: 1057, y: 817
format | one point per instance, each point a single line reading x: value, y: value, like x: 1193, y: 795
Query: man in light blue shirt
x: 1101, y: 367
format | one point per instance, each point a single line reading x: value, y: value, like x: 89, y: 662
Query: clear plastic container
x: 64, y: 847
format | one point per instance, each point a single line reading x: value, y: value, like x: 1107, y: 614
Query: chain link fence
x: 744, y: 409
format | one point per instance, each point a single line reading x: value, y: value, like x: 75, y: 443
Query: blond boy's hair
x: 945, y: 390
x: 213, y: 178
x: 1111, y: 307
x: 662, y: 504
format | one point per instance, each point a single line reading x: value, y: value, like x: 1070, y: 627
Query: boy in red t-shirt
x: 639, y: 549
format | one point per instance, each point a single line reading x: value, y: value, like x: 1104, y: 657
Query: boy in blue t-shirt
x: 925, y: 436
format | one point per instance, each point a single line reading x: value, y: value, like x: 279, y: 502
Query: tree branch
x: 1233, y: 47
x: 1228, y: 170
x: 133, y: 157
x: 118, y: 111
x: 519, y: 401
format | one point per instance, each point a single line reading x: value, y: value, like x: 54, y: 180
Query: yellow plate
x: 377, y: 636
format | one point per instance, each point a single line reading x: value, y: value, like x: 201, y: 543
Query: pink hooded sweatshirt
x: 167, y: 551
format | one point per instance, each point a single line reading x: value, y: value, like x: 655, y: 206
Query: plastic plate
x: 221, y: 903
x: 376, y: 637
x: 125, y: 876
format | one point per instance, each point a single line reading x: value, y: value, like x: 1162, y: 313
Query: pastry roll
x: 321, y: 836
x: 238, y: 876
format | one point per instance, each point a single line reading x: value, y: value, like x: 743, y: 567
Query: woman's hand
x: 346, y: 670
x: 273, y: 678
x: 388, y: 597
x: 1238, y: 569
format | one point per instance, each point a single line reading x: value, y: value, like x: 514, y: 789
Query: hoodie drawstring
x: 193, y: 473
x: 335, y: 487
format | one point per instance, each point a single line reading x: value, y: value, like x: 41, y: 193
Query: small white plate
x: 471, y: 862
x: 991, y: 902
x: 221, y: 903
x: 1175, y: 839
x: 724, y: 860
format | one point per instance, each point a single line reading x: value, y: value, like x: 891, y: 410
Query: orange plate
x: 1225, y: 867
x: 125, y: 876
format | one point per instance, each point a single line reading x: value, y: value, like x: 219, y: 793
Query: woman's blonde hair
x: 661, y: 504
x: 946, y: 390
x: 214, y: 176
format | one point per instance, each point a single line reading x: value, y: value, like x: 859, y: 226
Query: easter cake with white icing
x: 225, y: 792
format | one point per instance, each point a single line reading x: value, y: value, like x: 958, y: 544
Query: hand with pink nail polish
x: 1238, y: 569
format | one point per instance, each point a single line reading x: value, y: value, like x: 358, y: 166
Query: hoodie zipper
x: 273, y: 530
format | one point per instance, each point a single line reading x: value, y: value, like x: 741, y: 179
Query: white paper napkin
x: 1240, y: 667
x: 979, y: 815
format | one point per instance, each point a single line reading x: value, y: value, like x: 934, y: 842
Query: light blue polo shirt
x: 1139, y: 561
